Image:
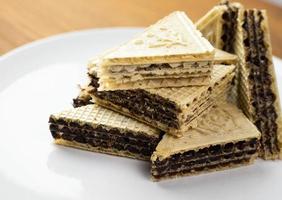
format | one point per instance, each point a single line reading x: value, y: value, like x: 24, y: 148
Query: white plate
x: 41, y: 78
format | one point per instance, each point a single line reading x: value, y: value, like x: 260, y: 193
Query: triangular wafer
x: 219, y: 25
x: 167, y: 54
x: 170, y: 109
x: 225, y: 138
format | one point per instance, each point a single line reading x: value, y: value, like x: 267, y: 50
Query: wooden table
x: 23, y: 21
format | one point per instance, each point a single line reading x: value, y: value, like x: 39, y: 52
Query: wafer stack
x: 173, y: 110
x: 167, y: 96
x: 257, y: 93
x: 169, y: 53
x: 97, y: 129
x: 224, y: 139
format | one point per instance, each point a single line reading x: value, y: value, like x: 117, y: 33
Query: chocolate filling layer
x: 262, y: 96
x: 229, y: 28
x: 141, y: 103
x: 206, y: 167
x: 209, y: 156
x: 104, y: 138
x: 78, y: 102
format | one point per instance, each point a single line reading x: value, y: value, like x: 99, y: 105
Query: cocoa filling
x: 200, y: 168
x: 86, y: 100
x: 210, y: 156
x: 101, y: 137
x: 78, y: 102
x: 260, y: 80
x: 141, y: 103
x: 229, y: 28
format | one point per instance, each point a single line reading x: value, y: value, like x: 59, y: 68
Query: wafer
x: 259, y: 98
x: 173, y: 110
x: 84, y: 98
x: 224, y: 139
x: 170, y: 53
x: 222, y: 57
x: 101, y: 130
x: 219, y: 25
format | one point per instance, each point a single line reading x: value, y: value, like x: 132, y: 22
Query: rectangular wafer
x: 259, y: 98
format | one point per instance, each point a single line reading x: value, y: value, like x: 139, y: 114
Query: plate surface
x: 41, y: 78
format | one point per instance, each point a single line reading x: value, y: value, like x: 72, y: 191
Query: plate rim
x: 59, y: 36
x: 46, y: 41
x: 73, y: 33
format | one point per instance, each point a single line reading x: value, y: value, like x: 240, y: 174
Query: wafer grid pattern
x: 154, y: 83
x: 224, y: 123
x: 186, y: 95
x: 252, y: 87
x: 159, y: 68
x: 160, y: 80
x: 140, y: 77
x: 95, y: 115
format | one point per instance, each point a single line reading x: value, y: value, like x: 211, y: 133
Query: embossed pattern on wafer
x: 225, y: 123
x: 173, y: 39
x: 223, y: 138
x: 168, y: 47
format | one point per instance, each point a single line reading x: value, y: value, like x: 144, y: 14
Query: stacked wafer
x: 173, y: 110
x: 164, y: 96
x: 171, y: 106
x: 256, y: 81
x: 95, y: 128
x: 169, y: 53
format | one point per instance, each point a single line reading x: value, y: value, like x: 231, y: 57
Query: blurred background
x: 23, y: 21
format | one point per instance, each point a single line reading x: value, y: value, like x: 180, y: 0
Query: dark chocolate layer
x: 83, y: 100
x: 141, y: 103
x: 104, y: 137
x: 229, y: 27
x: 209, y: 156
x: 78, y: 102
x: 208, y: 166
x: 262, y: 96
